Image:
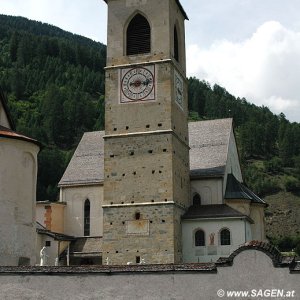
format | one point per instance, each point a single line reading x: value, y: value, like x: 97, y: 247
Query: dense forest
x: 54, y: 82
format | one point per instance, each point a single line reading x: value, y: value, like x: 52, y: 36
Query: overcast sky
x: 250, y: 47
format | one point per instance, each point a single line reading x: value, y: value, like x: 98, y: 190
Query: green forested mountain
x: 54, y: 81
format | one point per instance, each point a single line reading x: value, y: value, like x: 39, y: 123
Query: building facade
x: 152, y: 188
x: 146, y: 152
x: 18, y: 157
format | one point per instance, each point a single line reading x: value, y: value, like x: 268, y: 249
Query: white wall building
x: 18, y: 163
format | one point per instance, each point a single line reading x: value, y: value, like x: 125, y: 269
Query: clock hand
x: 137, y: 83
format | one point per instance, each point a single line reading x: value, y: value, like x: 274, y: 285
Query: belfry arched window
x: 138, y: 37
x: 199, y: 238
x: 87, y: 212
x: 225, y: 236
x: 196, y: 199
x: 176, y: 44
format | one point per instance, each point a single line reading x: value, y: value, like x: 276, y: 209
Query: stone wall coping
x: 108, y: 270
x: 278, y: 260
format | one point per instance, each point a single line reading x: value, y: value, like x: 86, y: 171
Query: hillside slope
x: 283, y: 215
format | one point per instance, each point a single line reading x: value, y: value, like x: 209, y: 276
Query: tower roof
x: 179, y: 5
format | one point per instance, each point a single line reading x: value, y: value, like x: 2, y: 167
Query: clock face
x: 137, y: 84
x: 178, y: 82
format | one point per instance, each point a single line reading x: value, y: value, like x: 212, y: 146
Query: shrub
x: 286, y: 244
x: 273, y: 165
x: 297, y: 249
x: 292, y: 184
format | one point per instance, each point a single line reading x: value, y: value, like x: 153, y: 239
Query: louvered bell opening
x: 138, y: 36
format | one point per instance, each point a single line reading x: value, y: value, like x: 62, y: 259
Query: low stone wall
x: 253, y: 270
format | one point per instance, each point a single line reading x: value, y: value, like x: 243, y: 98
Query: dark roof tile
x: 213, y: 211
x: 236, y: 190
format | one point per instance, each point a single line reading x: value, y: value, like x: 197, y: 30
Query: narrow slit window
x: 87, y: 209
x: 176, y: 46
x: 138, y: 36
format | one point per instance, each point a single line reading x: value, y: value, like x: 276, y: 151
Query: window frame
x: 223, y: 238
x: 202, y: 238
x: 132, y: 46
x: 87, y: 225
x: 197, y: 195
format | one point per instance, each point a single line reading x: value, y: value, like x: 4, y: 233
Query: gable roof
x: 209, y: 144
x: 87, y: 163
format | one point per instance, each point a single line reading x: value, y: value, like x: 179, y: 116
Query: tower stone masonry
x: 146, y: 152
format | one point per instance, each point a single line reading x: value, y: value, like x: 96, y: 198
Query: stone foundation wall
x: 150, y: 238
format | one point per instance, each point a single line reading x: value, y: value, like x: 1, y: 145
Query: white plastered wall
x: 75, y: 197
x: 17, y: 197
x: 239, y: 230
x: 210, y: 190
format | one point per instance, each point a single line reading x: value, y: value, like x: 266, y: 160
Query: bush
x: 287, y: 244
x: 297, y: 249
x: 292, y: 184
x: 274, y: 165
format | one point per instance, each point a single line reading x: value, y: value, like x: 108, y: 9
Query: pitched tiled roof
x: 87, y: 163
x: 40, y: 229
x: 213, y: 211
x: 209, y: 142
x: 236, y: 190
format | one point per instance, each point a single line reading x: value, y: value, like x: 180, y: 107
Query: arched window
x: 197, y: 199
x: 87, y: 211
x: 199, y: 238
x: 176, y: 46
x: 225, y: 237
x: 138, y: 36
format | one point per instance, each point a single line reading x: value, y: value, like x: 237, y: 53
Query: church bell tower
x: 146, y: 152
